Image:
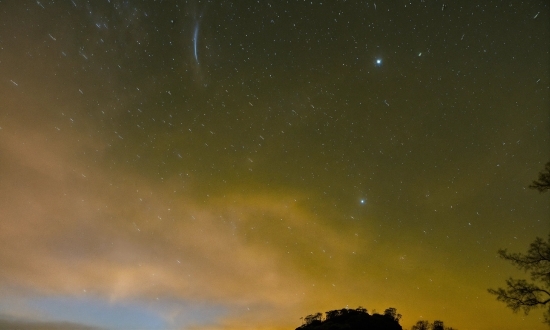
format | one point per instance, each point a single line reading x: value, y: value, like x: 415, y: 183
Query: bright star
x: 378, y: 61
x: 362, y: 201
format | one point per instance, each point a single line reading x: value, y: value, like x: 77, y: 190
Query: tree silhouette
x: 520, y: 294
x: 332, y: 314
x: 313, y: 318
x: 421, y: 325
x: 347, y: 318
x: 361, y: 309
x: 392, y: 313
x: 359, y: 318
x: 543, y: 183
x: 438, y: 325
x: 426, y: 325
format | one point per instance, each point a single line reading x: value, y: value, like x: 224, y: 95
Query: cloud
x: 15, y: 324
x: 81, y: 223
x: 74, y: 226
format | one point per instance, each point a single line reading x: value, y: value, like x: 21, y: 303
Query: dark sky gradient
x: 240, y: 164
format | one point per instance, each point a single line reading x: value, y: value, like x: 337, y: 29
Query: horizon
x: 219, y: 165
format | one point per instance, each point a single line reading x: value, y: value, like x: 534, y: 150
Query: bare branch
x: 520, y: 294
x: 543, y: 183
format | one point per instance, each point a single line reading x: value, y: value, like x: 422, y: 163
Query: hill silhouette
x: 352, y: 319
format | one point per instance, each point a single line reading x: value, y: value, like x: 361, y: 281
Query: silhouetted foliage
x: 313, y: 318
x: 426, y: 325
x: 392, y: 313
x: 352, y: 319
x: 332, y: 314
x: 520, y: 294
x: 361, y: 309
x: 421, y: 325
x: 543, y: 183
x: 438, y: 325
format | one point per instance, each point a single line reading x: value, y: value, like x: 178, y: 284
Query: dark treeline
x: 360, y: 319
x: 425, y: 325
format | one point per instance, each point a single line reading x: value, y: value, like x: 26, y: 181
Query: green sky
x: 240, y: 164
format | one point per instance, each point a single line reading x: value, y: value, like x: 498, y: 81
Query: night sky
x: 242, y: 164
